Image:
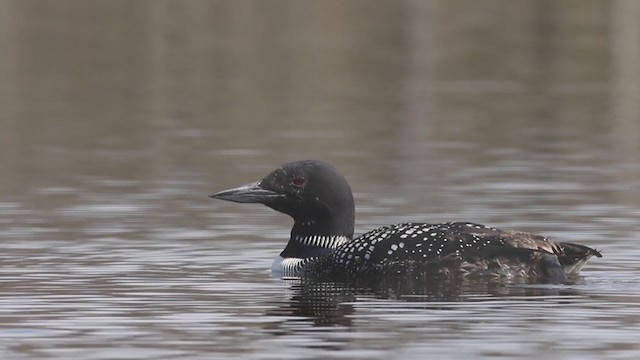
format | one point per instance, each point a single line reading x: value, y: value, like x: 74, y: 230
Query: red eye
x: 298, y: 182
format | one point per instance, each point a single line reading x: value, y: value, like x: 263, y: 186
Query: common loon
x: 319, y: 200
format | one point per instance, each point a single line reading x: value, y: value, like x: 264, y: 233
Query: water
x: 119, y: 118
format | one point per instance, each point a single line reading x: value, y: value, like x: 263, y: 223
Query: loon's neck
x: 313, y: 238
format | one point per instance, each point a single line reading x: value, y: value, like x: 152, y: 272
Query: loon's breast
x: 290, y: 267
x: 308, y: 250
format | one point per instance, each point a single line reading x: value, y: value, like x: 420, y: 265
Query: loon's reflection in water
x: 333, y: 303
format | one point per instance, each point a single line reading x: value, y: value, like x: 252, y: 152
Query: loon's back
x: 453, y: 249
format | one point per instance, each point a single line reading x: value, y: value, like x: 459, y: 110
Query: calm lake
x: 119, y: 118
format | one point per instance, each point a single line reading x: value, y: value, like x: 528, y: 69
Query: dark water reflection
x: 119, y: 118
x: 331, y: 304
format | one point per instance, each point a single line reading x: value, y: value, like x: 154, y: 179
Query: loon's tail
x: 574, y: 256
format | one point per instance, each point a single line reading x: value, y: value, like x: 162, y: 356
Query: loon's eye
x: 298, y: 182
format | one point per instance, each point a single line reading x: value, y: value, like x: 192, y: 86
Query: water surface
x: 119, y: 118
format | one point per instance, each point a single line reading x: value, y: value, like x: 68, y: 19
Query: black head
x: 312, y: 192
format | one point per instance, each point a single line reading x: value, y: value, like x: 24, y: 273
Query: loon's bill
x: 248, y: 193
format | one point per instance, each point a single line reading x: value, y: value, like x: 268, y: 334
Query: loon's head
x: 312, y: 192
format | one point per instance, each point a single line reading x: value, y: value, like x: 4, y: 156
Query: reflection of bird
x: 325, y: 302
x: 320, y: 201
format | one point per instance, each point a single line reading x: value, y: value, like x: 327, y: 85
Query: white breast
x: 289, y: 267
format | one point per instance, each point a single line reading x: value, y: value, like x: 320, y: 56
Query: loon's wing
x: 501, y: 242
x: 571, y: 256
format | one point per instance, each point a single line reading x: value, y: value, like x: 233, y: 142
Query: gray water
x: 119, y: 118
